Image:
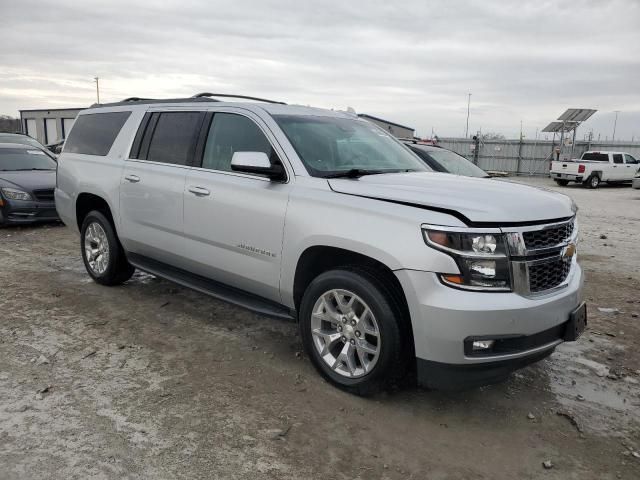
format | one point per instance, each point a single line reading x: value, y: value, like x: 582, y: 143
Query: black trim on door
x: 135, y: 148
x: 202, y: 139
x: 146, y: 137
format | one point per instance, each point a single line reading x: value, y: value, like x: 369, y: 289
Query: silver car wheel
x: 96, y: 248
x: 345, y: 333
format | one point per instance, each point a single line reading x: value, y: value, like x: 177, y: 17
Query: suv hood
x: 478, y: 200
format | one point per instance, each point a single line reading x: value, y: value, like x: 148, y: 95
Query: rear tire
x: 562, y: 183
x: 102, y: 253
x: 593, y: 181
x: 345, y: 337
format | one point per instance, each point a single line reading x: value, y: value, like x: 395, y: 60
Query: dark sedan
x: 27, y: 183
x: 446, y: 161
x: 23, y: 139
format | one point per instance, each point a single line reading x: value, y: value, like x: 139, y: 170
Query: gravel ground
x: 150, y: 380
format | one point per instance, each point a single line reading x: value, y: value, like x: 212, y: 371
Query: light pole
x: 615, y: 123
x: 97, y: 80
x: 466, y: 131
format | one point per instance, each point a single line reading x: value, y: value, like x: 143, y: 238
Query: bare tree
x: 492, y: 136
x: 9, y: 124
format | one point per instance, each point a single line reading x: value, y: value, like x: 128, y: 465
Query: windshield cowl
x: 357, y: 173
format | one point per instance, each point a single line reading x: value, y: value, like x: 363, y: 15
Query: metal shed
x: 395, y: 129
x: 48, y: 125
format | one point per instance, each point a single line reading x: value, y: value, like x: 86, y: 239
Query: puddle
x: 581, y: 385
x: 142, y: 277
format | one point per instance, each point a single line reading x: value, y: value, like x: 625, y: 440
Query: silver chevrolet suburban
x: 391, y: 270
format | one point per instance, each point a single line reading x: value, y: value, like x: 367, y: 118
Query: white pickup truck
x: 595, y: 167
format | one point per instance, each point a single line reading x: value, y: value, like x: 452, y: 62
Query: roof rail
x: 199, y: 97
x: 135, y: 99
x: 225, y: 95
x: 144, y: 101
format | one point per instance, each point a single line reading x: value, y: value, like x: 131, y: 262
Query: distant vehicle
x: 445, y: 161
x: 56, y: 147
x: 27, y: 184
x: 594, y: 168
x: 23, y: 139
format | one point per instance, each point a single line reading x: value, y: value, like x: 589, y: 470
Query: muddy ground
x: 150, y: 380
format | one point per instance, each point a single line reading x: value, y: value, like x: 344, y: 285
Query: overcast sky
x: 412, y: 62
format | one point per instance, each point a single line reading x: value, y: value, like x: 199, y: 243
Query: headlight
x: 13, y: 194
x: 481, y: 258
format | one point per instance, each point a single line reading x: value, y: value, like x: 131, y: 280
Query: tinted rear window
x: 174, y: 137
x: 93, y: 134
x: 596, y: 157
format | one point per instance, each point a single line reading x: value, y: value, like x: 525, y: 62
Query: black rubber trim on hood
x: 460, y: 216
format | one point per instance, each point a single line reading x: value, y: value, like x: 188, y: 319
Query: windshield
x: 453, y: 163
x: 20, y: 139
x: 25, y: 159
x: 330, y: 146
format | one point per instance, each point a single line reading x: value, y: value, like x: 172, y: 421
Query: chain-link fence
x: 526, y: 157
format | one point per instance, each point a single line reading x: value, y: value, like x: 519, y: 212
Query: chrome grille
x: 45, y: 194
x: 548, y: 237
x: 547, y: 275
x: 541, y: 256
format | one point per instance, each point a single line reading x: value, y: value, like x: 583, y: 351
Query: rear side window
x: 617, y: 158
x: 230, y: 133
x: 94, y: 133
x: 596, y: 157
x: 173, y: 137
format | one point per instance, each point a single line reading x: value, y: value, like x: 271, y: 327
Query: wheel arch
x: 86, y: 202
x: 317, y: 259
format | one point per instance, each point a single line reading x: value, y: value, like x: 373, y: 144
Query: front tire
x: 354, y: 331
x: 102, y: 253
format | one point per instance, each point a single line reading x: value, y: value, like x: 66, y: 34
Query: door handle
x: 132, y: 178
x: 199, y: 191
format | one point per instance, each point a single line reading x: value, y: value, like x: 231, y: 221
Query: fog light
x: 480, y: 345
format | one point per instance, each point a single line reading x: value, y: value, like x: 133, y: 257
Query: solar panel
x: 576, y: 114
x: 560, y: 126
x: 553, y: 127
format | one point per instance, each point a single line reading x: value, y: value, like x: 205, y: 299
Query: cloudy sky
x: 409, y: 61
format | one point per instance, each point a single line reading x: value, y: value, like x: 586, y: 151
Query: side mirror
x: 257, y: 163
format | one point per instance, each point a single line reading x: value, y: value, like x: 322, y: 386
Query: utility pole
x: 466, y: 131
x: 615, y: 123
x: 97, y: 80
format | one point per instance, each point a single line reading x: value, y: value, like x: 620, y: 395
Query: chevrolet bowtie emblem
x: 569, y: 251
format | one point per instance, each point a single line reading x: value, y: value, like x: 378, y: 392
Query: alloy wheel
x: 96, y: 248
x: 345, y: 333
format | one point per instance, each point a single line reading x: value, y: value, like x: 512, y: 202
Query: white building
x: 48, y: 126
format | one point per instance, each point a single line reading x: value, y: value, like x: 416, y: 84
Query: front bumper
x: 443, y: 318
x: 14, y: 212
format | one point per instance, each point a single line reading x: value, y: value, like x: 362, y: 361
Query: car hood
x: 478, y: 200
x: 28, y: 180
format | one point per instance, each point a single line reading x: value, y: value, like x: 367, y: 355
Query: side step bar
x: 212, y: 288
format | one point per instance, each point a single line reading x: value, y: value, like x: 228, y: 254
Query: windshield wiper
x: 360, y: 172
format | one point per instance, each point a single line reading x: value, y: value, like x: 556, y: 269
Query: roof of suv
x: 271, y: 106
